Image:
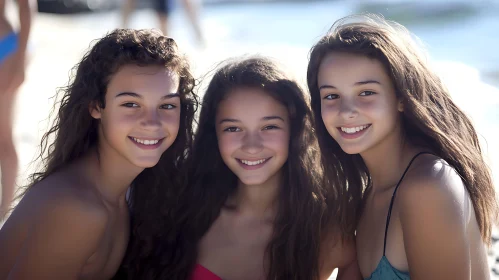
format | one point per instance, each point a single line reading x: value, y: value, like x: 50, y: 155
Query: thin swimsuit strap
x: 393, y: 197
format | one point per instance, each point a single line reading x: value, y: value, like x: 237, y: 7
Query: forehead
x: 144, y: 77
x: 252, y: 102
x: 348, y: 67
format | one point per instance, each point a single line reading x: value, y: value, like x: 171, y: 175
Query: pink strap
x: 202, y: 273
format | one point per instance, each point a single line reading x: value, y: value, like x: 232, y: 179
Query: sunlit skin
x: 75, y: 223
x: 252, y: 126
x: 358, y: 97
x: 149, y: 114
x: 437, y: 239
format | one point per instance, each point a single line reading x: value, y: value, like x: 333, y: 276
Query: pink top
x: 202, y: 273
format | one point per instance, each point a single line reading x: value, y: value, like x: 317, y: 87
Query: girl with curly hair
x: 124, y: 120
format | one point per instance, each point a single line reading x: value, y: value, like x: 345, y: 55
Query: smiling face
x: 253, y: 135
x: 359, y: 106
x: 142, y: 114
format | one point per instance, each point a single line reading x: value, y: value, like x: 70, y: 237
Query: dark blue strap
x: 393, y: 197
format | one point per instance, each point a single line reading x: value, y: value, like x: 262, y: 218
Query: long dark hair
x: 293, y: 252
x: 430, y: 118
x: 74, y: 131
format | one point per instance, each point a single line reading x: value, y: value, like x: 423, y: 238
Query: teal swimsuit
x: 385, y: 270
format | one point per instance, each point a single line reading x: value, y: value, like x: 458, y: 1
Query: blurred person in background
x: 163, y: 9
x: 13, y: 45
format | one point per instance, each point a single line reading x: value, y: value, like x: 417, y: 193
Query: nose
x: 348, y: 110
x: 151, y: 120
x: 252, y: 143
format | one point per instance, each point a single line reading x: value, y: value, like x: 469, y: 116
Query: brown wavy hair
x: 430, y: 118
x: 74, y: 131
x: 293, y: 252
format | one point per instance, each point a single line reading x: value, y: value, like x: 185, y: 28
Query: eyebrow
x: 268, y: 118
x: 229, y: 120
x: 366, y: 82
x: 133, y: 94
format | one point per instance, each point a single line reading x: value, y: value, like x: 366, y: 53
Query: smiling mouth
x: 352, y: 130
x: 252, y: 164
x: 151, y: 143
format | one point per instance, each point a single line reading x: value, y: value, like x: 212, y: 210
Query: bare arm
x: 340, y: 254
x: 433, y: 219
x: 350, y: 271
x: 62, y: 238
x: 26, y: 10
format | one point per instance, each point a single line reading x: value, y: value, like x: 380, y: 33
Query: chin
x: 146, y: 163
x: 253, y: 181
x: 352, y: 150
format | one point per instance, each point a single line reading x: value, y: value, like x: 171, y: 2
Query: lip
x: 252, y: 167
x: 147, y: 147
x: 353, y: 135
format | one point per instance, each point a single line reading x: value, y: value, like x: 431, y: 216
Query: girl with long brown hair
x: 254, y: 205
x: 264, y: 178
x: 409, y: 159
x: 124, y: 120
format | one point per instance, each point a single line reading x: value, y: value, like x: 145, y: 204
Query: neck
x: 258, y: 200
x: 112, y: 175
x: 387, y: 161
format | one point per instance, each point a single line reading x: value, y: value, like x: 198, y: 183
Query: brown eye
x: 367, y: 93
x: 232, y: 129
x: 168, y: 106
x: 130, y: 105
x: 268, y: 127
x: 331, y: 96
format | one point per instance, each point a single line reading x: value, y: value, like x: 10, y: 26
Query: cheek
x: 171, y: 121
x: 328, y: 112
x: 114, y: 120
x: 279, y: 142
x: 228, y: 143
x: 379, y: 109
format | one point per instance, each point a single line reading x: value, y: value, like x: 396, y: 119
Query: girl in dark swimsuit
x: 387, y: 124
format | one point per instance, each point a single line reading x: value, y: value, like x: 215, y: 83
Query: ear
x: 95, y: 110
x: 400, y: 106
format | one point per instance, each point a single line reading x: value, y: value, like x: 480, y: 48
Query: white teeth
x: 247, y: 162
x: 351, y: 130
x: 145, y: 142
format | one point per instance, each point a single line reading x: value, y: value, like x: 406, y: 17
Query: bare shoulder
x: 436, y: 183
x: 61, y: 195
x: 58, y: 221
x: 434, y: 208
